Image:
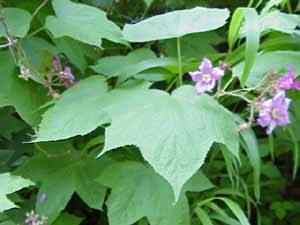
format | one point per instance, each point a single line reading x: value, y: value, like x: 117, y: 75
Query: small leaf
x: 17, y: 21
x: 176, y: 24
x: 10, y: 184
x: 83, y: 23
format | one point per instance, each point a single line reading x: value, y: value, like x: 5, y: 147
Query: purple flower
x: 206, y: 76
x: 67, y: 77
x: 273, y: 112
x: 288, y: 81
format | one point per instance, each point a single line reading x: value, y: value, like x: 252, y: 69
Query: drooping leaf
x: 133, y: 196
x: 235, y: 26
x: 252, y: 41
x: 60, y: 177
x: 188, y: 125
x: 250, y: 144
x: 25, y: 96
x: 176, y: 24
x: 17, y: 21
x: 83, y: 23
x: 10, y: 184
x: 268, y: 62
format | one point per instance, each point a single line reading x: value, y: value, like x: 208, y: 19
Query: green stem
x: 180, y: 74
x: 250, y: 3
x: 44, y: 3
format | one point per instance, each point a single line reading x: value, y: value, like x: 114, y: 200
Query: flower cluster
x: 206, y: 76
x: 274, y: 112
x: 65, y: 74
x: 33, y: 218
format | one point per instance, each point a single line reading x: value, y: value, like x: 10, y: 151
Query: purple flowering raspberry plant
x: 149, y: 112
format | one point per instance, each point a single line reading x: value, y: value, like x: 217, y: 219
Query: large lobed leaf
x: 83, y: 23
x: 176, y: 24
x: 137, y: 192
x: 188, y: 124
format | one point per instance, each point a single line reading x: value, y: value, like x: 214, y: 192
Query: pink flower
x: 288, y: 81
x: 274, y: 112
x: 206, y: 76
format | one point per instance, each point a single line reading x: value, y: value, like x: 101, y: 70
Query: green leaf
x: 176, y: 24
x: 235, y: 26
x: 67, y: 219
x: 250, y: 144
x: 9, y: 124
x: 25, y: 96
x: 148, y: 2
x: 133, y: 196
x: 270, y: 61
x: 113, y: 66
x: 78, y: 112
x: 10, y: 184
x: 83, y: 23
x: 270, y: 4
x: 203, y: 216
x: 252, y: 41
x: 17, y: 21
x: 236, y: 210
x: 278, y: 21
x: 60, y: 177
x: 39, y: 52
x: 188, y: 125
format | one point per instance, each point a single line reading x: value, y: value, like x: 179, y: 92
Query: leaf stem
x: 39, y: 8
x: 179, y: 57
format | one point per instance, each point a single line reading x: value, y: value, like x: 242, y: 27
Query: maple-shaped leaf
x: 10, y: 184
x: 138, y: 191
x: 60, y: 177
x: 173, y: 132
